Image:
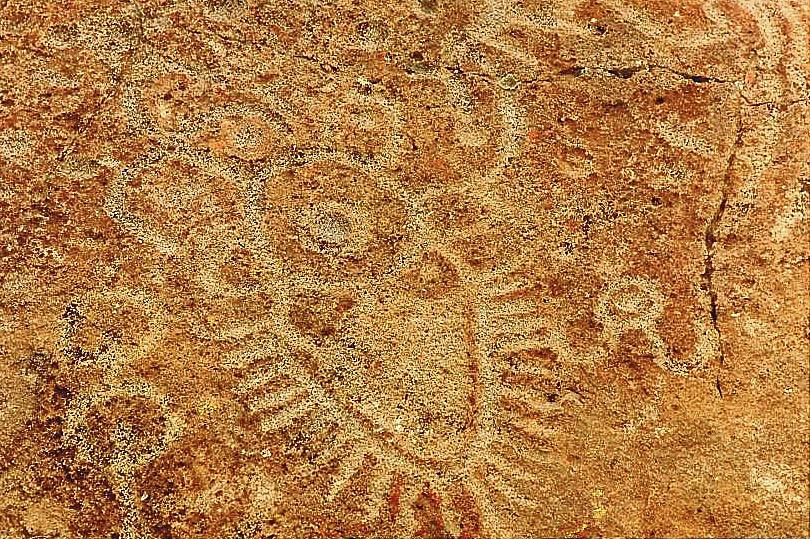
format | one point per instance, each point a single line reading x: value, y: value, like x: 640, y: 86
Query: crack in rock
x: 627, y: 72
x: 710, y: 239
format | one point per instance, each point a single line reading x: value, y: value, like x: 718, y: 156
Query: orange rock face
x: 430, y: 269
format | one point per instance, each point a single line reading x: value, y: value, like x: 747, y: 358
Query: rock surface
x: 404, y: 269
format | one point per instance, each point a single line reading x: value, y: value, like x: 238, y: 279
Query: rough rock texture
x: 426, y: 268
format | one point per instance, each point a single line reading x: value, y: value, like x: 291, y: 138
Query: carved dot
x: 332, y: 229
x: 630, y: 303
x: 633, y: 302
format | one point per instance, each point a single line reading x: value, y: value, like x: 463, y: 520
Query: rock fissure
x: 710, y: 241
